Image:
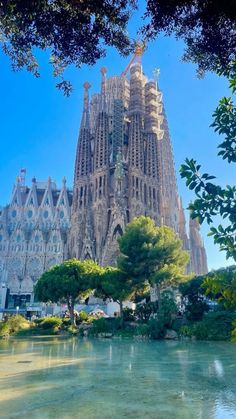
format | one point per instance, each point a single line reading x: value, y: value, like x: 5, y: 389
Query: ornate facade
x: 124, y: 168
x: 34, y: 230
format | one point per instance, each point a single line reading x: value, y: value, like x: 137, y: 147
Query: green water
x: 59, y: 378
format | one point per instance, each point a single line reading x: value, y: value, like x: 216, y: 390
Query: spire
x: 103, y: 88
x: 85, y: 123
x: 83, y: 153
x: 198, y: 253
x: 136, y: 113
x: 101, y: 140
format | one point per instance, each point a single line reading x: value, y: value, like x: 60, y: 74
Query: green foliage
x: 216, y: 325
x: 156, y: 328
x: 83, y: 316
x: 233, y: 333
x: 144, y: 312
x: 194, y: 298
x: 73, y: 330
x: 116, y: 284
x: 50, y: 322
x: 186, y: 331
x: 220, y: 286
x: 74, y: 32
x: 168, y: 309
x: 213, y: 199
x: 105, y: 325
x: 207, y: 28
x: 68, y: 282
x: 65, y: 323
x: 128, y: 315
x: 151, y: 255
x: 13, y: 324
x: 142, y: 330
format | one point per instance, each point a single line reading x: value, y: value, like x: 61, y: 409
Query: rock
x: 171, y: 334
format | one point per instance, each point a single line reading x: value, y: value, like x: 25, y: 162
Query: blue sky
x: 39, y: 126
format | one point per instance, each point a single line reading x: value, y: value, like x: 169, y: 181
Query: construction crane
x: 139, y: 50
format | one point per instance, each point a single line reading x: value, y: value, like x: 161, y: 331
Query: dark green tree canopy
x: 207, y: 27
x: 152, y: 253
x: 115, y: 284
x: 194, y: 298
x: 68, y: 282
x: 75, y: 32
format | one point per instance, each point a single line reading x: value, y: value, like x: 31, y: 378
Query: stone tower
x: 125, y: 168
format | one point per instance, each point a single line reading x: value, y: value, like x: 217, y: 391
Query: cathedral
x: 123, y: 168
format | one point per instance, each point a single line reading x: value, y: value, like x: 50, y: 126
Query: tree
x: 194, y: 298
x: 207, y: 27
x: 212, y: 199
x: 74, y: 32
x: 152, y: 255
x: 68, y: 282
x: 115, y: 284
x: 220, y: 285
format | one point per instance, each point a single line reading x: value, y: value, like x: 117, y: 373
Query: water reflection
x: 71, y: 378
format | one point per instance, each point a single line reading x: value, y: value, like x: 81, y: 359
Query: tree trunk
x: 71, y: 305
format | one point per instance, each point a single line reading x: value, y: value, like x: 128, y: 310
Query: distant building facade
x: 34, y: 230
x: 124, y: 168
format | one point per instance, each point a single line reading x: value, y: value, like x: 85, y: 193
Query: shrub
x: 178, y: 323
x: 108, y: 325
x: 4, y: 329
x: 83, y: 316
x: 100, y: 326
x: 128, y: 315
x: 186, y: 331
x: 73, y: 330
x: 201, y: 331
x: 38, y: 321
x: 219, y: 324
x: 145, y: 311
x: 156, y: 328
x: 168, y: 310
x: 66, y: 322
x: 142, y: 330
x: 13, y: 324
x: 233, y: 333
x: 50, y: 322
x: 215, y: 325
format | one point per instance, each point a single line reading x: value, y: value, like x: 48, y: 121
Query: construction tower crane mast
x: 139, y: 50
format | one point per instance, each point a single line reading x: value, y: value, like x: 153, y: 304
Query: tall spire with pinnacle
x: 101, y: 143
x: 83, y: 154
x: 136, y: 113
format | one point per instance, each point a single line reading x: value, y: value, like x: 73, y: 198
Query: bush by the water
x: 215, y: 325
x: 105, y: 325
x: 233, y: 333
x: 13, y: 324
x: 49, y: 323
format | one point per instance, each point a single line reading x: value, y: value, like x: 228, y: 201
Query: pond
x: 71, y: 378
